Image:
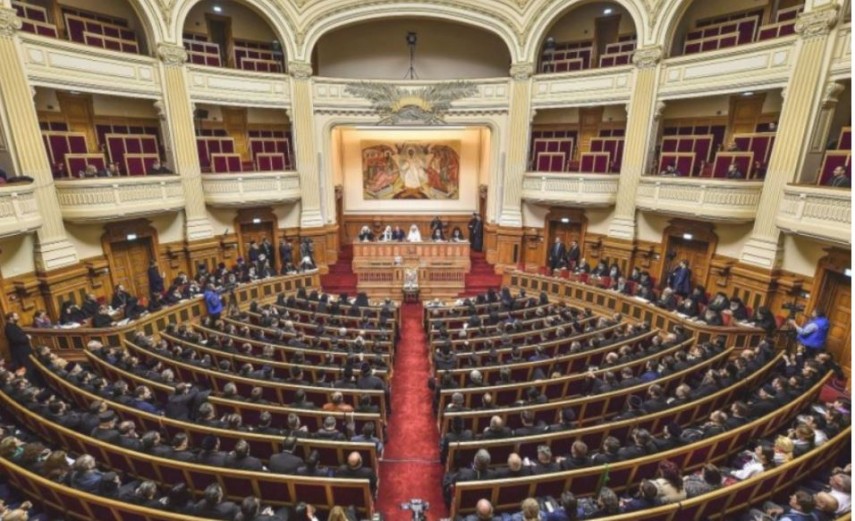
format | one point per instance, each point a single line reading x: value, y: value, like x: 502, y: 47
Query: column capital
x: 172, y: 55
x: 522, y: 71
x: 10, y: 24
x: 647, y: 57
x: 299, y: 69
x: 818, y: 22
x: 832, y: 93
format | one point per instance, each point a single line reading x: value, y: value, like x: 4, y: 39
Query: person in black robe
x: 155, y: 279
x: 476, y: 232
x: 436, y: 224
x: 18, y: 341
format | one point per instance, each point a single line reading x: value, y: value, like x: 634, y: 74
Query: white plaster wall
x: 378, y: 50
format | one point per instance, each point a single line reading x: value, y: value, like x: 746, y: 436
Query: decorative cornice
x: 817, y: 23
x: 10, y: 24
x: 300, y: 70
x: 427, y: 105
x: 172, y: 55
x: 647, y: 57
x: 522, y: 71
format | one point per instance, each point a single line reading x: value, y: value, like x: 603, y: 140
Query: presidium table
x: 424, y: 270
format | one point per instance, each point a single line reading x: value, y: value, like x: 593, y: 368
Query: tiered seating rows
x: 722, y: 32
x: 34, y: 19
x: 784, y: 24
x: 255, y: 56
x: 277, y: 489
x: 508, y: 493
x: 96, y: 31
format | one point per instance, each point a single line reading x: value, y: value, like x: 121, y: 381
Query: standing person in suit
x: 476, y: 232
x: 556, y: 255
x: 573, y: 254
x: 267, y: 250
x: 286, y: 252
x: 680, y: 280
x: 19, y: 342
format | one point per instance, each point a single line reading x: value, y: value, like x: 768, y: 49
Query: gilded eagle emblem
x: 427, y: 105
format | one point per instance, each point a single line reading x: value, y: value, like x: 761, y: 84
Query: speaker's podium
x: 425, y: 270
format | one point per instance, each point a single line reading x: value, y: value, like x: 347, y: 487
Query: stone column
x: 822, y: 128
x: 53, y: 249
x: 303, y: 131
x: 801, y: 99
x: 181, y: 128
x: 516, y: 155
x: 641, y: 127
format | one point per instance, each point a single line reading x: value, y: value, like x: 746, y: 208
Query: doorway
x: 695, y: 251
x: 220, y: 32
x: 250, y: 232
x: 129, y: 266
x: 835, y: 298
x: 607, y: 30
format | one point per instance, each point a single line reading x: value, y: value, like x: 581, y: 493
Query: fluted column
x: 179, y: 117
x: 516, y: 149
x: 641, y: 124
x: 801, y: 98
x: 53, y: 249
x: 302, y: 125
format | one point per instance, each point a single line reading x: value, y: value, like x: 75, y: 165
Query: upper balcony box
x: 96, y: 200
x: 752, y: 66
x: 238, y: 87
x: 67, y: 65
x: 700, y: 198
x: 19, y: 212
x: 590, y: 190
x: 819, y: 212
x: 251, y: 189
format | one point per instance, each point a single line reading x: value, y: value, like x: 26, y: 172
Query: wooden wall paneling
x: 619, y: 251
x: 648, y: 256
x: 832, y: 292
x: 590, y: 121
x: 745, y: 113
x: 210, y: 252
x: 508, y: 248
x: 79, y: 115
x: 490, y: 242
x: 235, y: 122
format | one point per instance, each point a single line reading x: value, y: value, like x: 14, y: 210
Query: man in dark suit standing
x: 19, y: 343
x: 573, y: 254
x: 556, y: 254
x: 680, y: 280
x: 476, y: 232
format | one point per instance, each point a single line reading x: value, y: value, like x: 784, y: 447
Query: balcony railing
x: 93, y: 200
x: 251, y: 189
x: 68, y: 65
x: 700, y: 198
x: 819, y: 212
x: 588, y: 87
x: 755, y: 65
x: 236, y: 86
x: 570, y: 189
x: 19, y: 212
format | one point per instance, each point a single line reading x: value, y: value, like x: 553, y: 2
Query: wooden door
x: 130, y: 265
x: 694, y: 251
x: 256, y: 232
x: 607, y: 29
x: 745, y: 112
x: 836, y: 300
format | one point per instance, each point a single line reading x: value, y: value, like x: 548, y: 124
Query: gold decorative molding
x: 10, y: 24
x: 647, y: 57
x: 172, y: 55
x: 427, y: 105
x: 817, y: 23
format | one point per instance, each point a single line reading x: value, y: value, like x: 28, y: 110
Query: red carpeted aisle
x: 411, y: 467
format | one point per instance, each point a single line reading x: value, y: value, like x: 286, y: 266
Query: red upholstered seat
x: 744, y: 162
x: 226, y: 163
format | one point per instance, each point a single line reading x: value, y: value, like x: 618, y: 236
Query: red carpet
x: 411, y: 467
x: 481, y: 276
x: 341, y: 278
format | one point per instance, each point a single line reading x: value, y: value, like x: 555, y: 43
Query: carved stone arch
x: 279, y: 20
x: 553, y: 11
x: 342, y: 17
x: 670, y: 15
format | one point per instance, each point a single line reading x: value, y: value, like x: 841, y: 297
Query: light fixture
x: 412, y: 39
x: 749, y: 93
x: 688, y: 236
x: 565, y: 220
x: 132, y: 237
x: 256, y: 220
x: 607, y: 10
x: 218, y: 9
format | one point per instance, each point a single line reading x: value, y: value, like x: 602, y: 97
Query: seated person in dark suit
x: 839, y: 179
x: 158, y: 168
x: 102, y: 318
x: 311, y: 467
x: 733, y: 172
x: 212, y: 505
x: 712, y: 317
x: 240, y: 458
x: 355, y: 470
x: 667, y: 300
